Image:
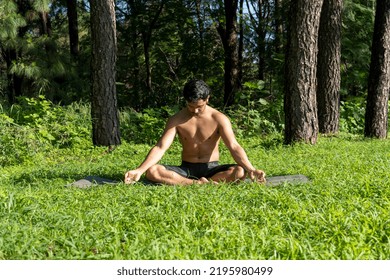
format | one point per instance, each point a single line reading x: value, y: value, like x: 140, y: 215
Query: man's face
x: 197, y: 107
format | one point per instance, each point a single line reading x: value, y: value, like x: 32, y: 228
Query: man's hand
x: 257, y: 176
x: 132, y: 176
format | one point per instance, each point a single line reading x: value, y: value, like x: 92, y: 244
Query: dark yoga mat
x: 90, y: 181
x: 286, y: 179
x: 271, y: 181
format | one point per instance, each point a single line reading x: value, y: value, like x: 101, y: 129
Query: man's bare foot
x: 203, y: 180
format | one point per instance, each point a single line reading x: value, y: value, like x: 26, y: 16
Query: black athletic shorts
x: 198, y: 170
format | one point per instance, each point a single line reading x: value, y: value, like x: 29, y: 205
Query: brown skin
x: 200, y: 129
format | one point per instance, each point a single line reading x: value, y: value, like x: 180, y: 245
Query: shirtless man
x: 200, y: 129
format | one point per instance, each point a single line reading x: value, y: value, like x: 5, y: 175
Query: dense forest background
x: 46, y: 52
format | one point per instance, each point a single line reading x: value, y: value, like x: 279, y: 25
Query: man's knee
x: 238, y: 172
x: 153, y: 173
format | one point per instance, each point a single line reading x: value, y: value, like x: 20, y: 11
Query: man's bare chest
x: 198, y: 132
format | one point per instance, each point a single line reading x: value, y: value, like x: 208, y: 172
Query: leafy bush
x: 60, y: 126
x: 257, y: 113
x: 18, y: 143
x: 146, y: 126
x: 352, y: 116
x: 37, y: 125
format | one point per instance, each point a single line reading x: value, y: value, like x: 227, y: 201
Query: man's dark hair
x: 195, y: 90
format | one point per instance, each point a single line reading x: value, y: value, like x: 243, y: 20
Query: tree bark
x: 14, y: 82
x: 105, y: 121
x: 328, y: 69
x: 135, y: 81
x: 278, y: 43
x: 300, y: 74
x: 259, y: 25
x: 146, y: 41
x: 231, y: 52
x: 45, y: 23
x: 260, y: 30
x: 73, y: 27
x: 241, y: 44
x: 376, y: 119
x: 146, y: 38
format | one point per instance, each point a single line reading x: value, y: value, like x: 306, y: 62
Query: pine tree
x: 300, y: 105
x: 328, y: 70
x: 376, y: 120
x: 105, y: 119
x: 10, y: 23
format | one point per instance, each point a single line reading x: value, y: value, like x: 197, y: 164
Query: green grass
x: 344, y: 213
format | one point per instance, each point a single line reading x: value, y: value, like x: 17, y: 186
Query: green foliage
x: 352, y: 116
x: 42, y: 62
x: 41, y: 5
x: 358, y: 26
x: 10, y: 21
x: 257, y: 113
x: 146, y: 126
x: 17, y: 143
x: 184, y: 43
x: 43, y: 70
x: 36, y: 124
x: 52, y: 123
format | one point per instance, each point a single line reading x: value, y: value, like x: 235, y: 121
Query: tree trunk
x: 231, y: 52
x: 146, y: 37
x: 376, y: 120
x: 45, y: 30
x: 202, y: 31
x: 146, y: 40
x: 328, y: 69
x: 73, y: 27
x: 260, y: 30
x: 45, y: 23
x: 105, y: 121
x: 241, y: 44
x: 14, y: 82
x: 259, y: 25
x: 300, y: 74
x: 135, y: 97
x: 278, y: 43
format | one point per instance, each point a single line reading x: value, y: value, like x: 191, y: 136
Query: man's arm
x: 155, y: 154
x: 237, y: 152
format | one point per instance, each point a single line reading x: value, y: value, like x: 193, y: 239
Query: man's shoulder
x: 218, y: 115
x: 177, y: 117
